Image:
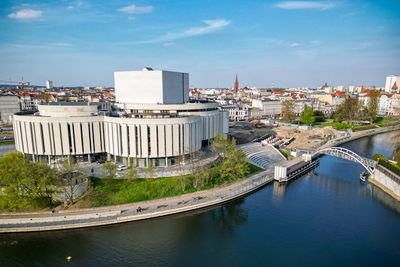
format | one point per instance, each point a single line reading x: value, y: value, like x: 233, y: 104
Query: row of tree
x: 231, y: 164
x: 34, y: 185
x: 349, y: 110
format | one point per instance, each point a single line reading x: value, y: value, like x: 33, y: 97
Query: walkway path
x: 44, y: 221
x: 4, y: 149
x: 175, y: 170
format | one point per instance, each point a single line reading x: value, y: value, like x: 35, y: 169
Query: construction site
x: 292, y: 138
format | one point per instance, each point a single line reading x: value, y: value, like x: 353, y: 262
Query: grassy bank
x: 9, y: 142
x: 335, y: 125
x: 387, y: 121
x: 106, y: 192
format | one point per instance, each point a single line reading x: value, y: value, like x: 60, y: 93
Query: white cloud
x: 211, y: 26
x: 63, y: 44
x: 133, y: 9
x: 77, y: 4
x: 305, y: 5
x: 26, y: 14
x: 316, y: 42
x: 169, y: 44
x: 131, y: 18
x: 294, y: 45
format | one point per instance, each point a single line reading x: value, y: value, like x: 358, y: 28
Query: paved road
x: 4, y: 149
x: 131, y: 212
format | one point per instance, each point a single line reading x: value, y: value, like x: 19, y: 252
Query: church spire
x: 236, y: 87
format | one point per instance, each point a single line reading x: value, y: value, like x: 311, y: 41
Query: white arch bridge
x: 345, y: 153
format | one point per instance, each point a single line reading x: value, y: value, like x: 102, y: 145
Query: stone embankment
x: 357, y: 135
x: 386, y: 180
x: 69, y: 219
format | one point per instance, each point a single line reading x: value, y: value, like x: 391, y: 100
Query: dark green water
x: 326, y: 218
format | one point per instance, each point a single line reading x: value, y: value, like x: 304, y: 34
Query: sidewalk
x: 175, y: 170
x: 68, y: 219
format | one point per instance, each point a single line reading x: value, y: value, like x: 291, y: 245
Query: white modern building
x: 270, y: 108
x: 49, y: 85
x: 153, y: 121
x: 392, y: 83
x: 8, y: 106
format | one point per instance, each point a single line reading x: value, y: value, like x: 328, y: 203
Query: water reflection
x: 231, y: 216
x: 385, y: 199
x: 369, y: 146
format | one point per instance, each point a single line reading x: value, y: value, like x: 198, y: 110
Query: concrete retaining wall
x: 386, y: 183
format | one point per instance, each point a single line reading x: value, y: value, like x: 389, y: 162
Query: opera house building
x: 152, y: 120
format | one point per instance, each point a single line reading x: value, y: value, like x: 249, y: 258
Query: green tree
x: 109, y: 170
x: 150, y: 170
x: 287, y: 111
x: 349, y: 110
x: 219, y: 144
x: 372, y: 106
x: 307, y: 117
x: 71, y: 177
x: 131, y: 173
x: 235, y: 165
x: 377, y: 156
x: 319, y: 116
x: 26, y: 184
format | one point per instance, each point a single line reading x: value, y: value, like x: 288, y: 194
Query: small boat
x: 363, y: 176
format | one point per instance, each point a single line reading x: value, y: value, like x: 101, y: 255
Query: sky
x: 266, y: 43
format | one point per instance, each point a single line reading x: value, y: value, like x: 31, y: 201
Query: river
x: 325, y: 218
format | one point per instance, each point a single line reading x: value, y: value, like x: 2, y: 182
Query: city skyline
x: 273, y: 44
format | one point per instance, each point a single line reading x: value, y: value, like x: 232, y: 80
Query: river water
x: 325, y: 218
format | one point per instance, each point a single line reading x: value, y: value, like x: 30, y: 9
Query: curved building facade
x: 162, y: 129
x: 137, y: 133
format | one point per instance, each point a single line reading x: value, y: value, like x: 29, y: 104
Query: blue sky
x: 267, y: 43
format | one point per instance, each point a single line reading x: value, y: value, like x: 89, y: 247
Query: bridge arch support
x: 345, y: 153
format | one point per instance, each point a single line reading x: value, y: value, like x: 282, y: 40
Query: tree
x: 235, y: 165
x: 71, y: 177
x: 195, y: 165
x: 288, y: 113
x: 372, y: 106
x: 307, y: 117
x: 26, y: 184
x: 319, y: 116
x: 131, y: 173
x: 150, y: 170
x: 349, y: 110
x: 109, y: 170
x: 219, y: 144
x: 43, y: 181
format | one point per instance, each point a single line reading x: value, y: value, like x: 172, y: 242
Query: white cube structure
x: 151, y: 87
x: 155, y: 122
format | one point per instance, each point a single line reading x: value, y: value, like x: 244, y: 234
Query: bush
x: 377, y: 156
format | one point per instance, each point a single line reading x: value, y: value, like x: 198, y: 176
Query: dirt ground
x: 303, y: 138
x: 247, y: 133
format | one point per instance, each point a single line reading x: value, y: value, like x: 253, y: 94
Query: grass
x: 363, y: 128
x: 386, y: 121
x: 106, y: 192
x: 8, y: 142
x: 335, y: 125
x: 389, y: 165
x: 285, y: 153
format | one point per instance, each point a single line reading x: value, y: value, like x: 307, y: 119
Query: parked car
x: 122, y: 168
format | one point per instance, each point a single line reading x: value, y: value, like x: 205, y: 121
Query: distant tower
x: 49, y: 84
x: 236, y: 87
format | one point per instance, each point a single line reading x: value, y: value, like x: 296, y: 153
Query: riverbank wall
x: 357, y: 135
x: 73, y: 219
x: 386, y: 180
